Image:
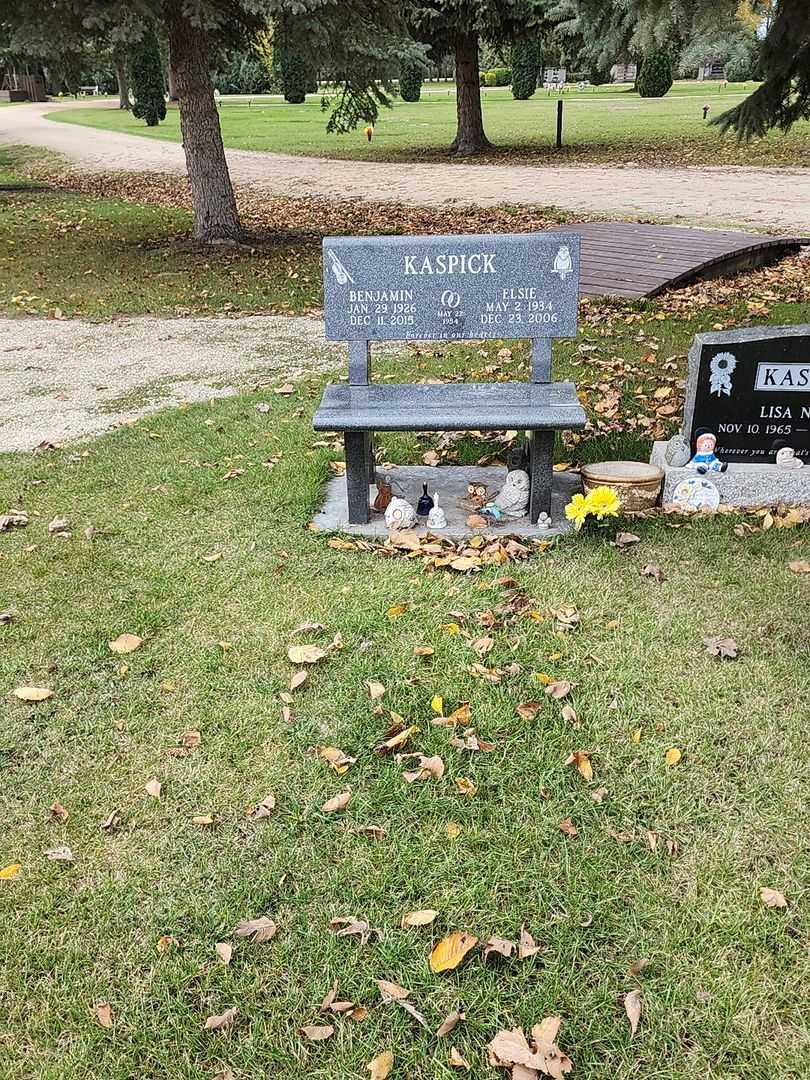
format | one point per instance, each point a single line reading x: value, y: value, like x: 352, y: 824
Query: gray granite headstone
x: 751, y: 388
x: 451, y: 287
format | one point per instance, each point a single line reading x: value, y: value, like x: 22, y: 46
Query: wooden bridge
x: 624, y: 259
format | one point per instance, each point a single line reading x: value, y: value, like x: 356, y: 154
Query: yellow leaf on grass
x: 466, y: 786
x: 305, y: 654
x: 397, y: 610
x: 8, y: 873
x: 450, y: 951
x: 418, y: 918
x: 636, y: 736
x: 437, y: 704
x: 453, y: 830
x: 380, y: 1067
x: 33, y: 693
x: 125, y: 643
x: 451, y: 628
x: 582, y: 762
x: 673, y: 756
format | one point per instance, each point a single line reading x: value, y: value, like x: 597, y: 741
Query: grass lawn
x: 604, y: 125
x: 666, y: 868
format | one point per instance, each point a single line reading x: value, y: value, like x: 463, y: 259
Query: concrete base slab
x: 743, y: 485
x: 451, y: 483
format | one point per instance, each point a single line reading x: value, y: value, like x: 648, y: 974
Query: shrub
x: 503, y: 76
x: 525, y: 68
x: 294, y: 76
x: 655, y: 77
x: 146, y: 80
x: 410, y: 82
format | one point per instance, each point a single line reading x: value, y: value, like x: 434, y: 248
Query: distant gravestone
x: 401, y: 288
x: 751, y: 388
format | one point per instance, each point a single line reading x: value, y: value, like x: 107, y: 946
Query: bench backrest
x: 451, y: 288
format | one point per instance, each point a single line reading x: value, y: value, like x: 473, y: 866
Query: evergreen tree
x: 293, y: 74
x: 525, y: 68
x: 410, y: 82
x: 655, y: 78
x: 146, y: 79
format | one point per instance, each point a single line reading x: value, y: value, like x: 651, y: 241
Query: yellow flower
x: 603, y: 502
x: 577, y: 510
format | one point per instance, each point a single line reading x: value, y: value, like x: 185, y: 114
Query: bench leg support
x: 541, y: 447
x: 358, y: 475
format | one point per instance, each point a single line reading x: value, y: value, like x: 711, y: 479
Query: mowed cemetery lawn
x: 602, y: 125
x: 189, y: 530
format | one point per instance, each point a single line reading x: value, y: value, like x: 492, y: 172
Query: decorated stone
x: 786, y: 457
x: 696, y: 493
x: 677, y: 452
x: 400, y: 514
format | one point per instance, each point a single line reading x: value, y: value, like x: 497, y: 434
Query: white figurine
x: 543, y: 521
x: 437, y: 519
x: 677, y: 452
x: 786, y: 458
x: 512, y: 501
x: 399, y: 514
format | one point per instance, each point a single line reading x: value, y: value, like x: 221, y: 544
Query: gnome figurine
x: 512, y: 501
x: 400, y: 514
x: 437, y: 519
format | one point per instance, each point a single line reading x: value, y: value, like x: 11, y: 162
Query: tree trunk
x: 120, y: 64
x: 172, y: 83
x: 216, y: 219
x: 470, y: 137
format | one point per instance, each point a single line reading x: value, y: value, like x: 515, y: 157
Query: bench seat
x: 450, y: 407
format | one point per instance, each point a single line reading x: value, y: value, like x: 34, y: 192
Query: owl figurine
x: 399, y: 514
x: 677, y: 452
x: 437, y: 519
x: 512, y: 501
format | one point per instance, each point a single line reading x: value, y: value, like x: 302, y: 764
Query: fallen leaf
x: 448, y: 953
x: 265, y: 808
x: 582, y: 762
x: 58, y: 525
x: 32, y: 693
x: 58, y: 812
x: 164, y: 943
x: 191, y: 739
x: 456, y: 1060
x: 673, y: 756
x: 412, y: 1011
x: 224, y: 951
x: 453, y: 830
x: 526, y: 945
x: 223, y: 1020
x: 772, y: 898
x: 202, y: 819
x: 568, y: 713
x: 632, y: 1006
x: 466, y: 786
x: 359, y: 1013
x: 125, y: 643
x: 337, y: 802
x: 638, y: 966
x: 399, y: 737
x: 391, y: 991
x: 568, y: 827
x: 800, y: 566
x: 154, y: 788
x: 396, y: 610
x: 599, y: 794
x: 298, y: 679
x: 449, y: 1023
x: 60, y: 853
x: 437, y: 705
x: 380, y: 1067
x: 305, y: 654
x: 349, y: 926
x: 418, y: 918
x: 103, y: 1014
x: 423, y: 650
x: 317, y: 1032
x: 375, y: 689
x: 375, y: 832
x: 724, y: 647
x: 112, y: 821
x: 215, y: 556
x: 558, y: 689
x: 652, y: 570
x: 527, y: 710
x: 429, y: 767
x: 499, y: 946
x: 626, y: 539
x: 339, y: 761
x: 258, y: 930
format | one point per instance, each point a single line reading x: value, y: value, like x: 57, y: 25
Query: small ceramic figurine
x: 437, y: 519
x: 677, y: 452
x: 543, y: 521
x: 512, y: 501
x: 476, y: 495
x: 425, y: 504
x: 400, y: 514
x: 786, y: 457
x: 704, y: 460
x: 385, y: 494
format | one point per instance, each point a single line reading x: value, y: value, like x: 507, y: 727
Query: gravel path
x: 730, y: 195
x: 65, y: 380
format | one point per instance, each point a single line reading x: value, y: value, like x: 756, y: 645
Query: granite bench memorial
x: 749, y: 392
x: 449, y: 288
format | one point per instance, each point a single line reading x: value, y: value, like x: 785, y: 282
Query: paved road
x: 733, y: 195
